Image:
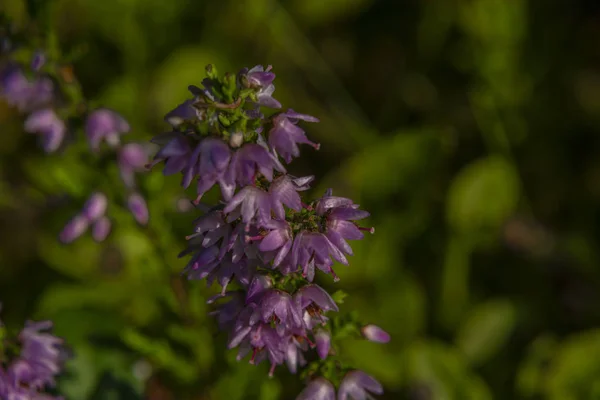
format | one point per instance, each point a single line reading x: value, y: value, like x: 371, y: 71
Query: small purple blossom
x: 182, y: 113
x: 95, y: 207
x: 357, y: 385
x: 323, y: 340
x: 38, y: 60
x: 74, y: 229
x: 318, y: 389
x: 261, y: 78
x: 46, y: 123
x: 132, y: 158
x: 101, y: 229
x: 209, y: 162
x: 375, y: 334
x: 105, y: 124
x: 20, y: 92
x: 285, y: 135
x: 250, y: 160
x: 249, y: 203
x: 138, y: 208
x: 176, y: 151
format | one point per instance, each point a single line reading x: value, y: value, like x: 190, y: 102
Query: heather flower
x: 257, y: 288
x: 250, y: 160
x: 74, y: 229
x: 176, y: 152
x: 95, y: 206
x: 262, y: 79
x: 250, y: 202
x: 314, y: 249
x: 209, y: 162
x: 285, y: 135
x: 279, y: 238
x: 375, y: 334
x: 105, y: 124
x: 228, y: 312
x: 182, y: 113
x: 357, y: 385
x: 101, y: 229
x: 138, y: 208
x: 38, y: 61
x: 132, y: 158
x: 42, y: 352
x: 318, y: 389
x: 22, y: 93
x: 314, y: 298
x: 323, y: 340
x: 294, y: 354
x: 46, y: 123
x: 279, y: 306
x: 283, y: 191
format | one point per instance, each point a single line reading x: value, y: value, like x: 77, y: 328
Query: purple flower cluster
x: 40, y: 359
x: 40, y: 97
x: 263, y: 237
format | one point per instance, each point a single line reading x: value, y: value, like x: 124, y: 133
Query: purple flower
x: 46, y: 123
x: 95, y: 207
x: 318, y: 389
x: 209, y: 162
x: 262, y: 79
x: 257, y: 288
x: 105, y: 124
x: 182, y: 113
x: 101, y: 229
x: 138, y: 208
x: 250, y: 160
x: 315, y: 298
x: 132, y: 158
x: 176, y: 151
x: 283, y: 191
x: 259, y: 77
x: 314, y: 249
x: 26, y: 95
x: 285, y: 135
x: 252, y: 202
x: 357, y: 385
x: 375, y: 334
x: 323, y: 339
x: 42, y: 352
x: 38, y: 61
x: 293, y: 354
x: 279, y: 238
x: 278, y: 306
x: 74, y: 229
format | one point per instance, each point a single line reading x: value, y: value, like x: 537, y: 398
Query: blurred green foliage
x: 468, y: 128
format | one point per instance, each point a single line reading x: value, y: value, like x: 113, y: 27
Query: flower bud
x: 74, y: 229
x: 95, y: 207
x: 101, y: 229
x: 375, y: 334
x: 323, y: 340
x: 139, y: 209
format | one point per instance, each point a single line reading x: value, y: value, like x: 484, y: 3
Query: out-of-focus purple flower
x: 357, y: 385
x: 42, y: 352
x: 285, y: 135
x: 209, y: 162
x: 138, y: 208
x: 95, y: 207
x: 176, y: 150
x: 74, y: 229
x: 250, y: 160
x: 38, y: 60
x: 133, y: 158
x: 105, y: 124
x: 375, y: 334
x: 323, y: 339
x: 252, y: 202
x: 318, y: 389
x: 182, y: 113
x: 101, y: 229
x: 46, y: 123
x: 293, y: 354
x: 20, y: 92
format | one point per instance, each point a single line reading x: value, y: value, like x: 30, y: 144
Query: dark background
x: 468, y: 128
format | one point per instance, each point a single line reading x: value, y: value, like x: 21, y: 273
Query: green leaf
x: 339, y: 296
x: 483, y: 195
x: 486, y: 330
